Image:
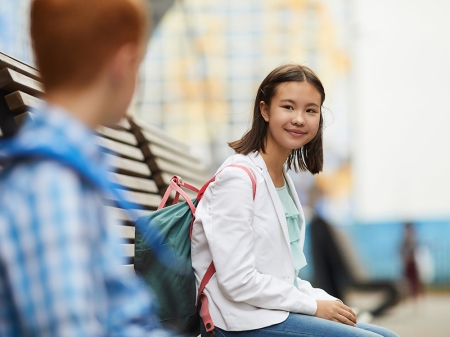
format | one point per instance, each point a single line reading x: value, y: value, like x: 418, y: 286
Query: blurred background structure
x: 385, y: 69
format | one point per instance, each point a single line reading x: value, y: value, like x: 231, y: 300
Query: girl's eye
x: 289, y: 107
x: 311, y: 111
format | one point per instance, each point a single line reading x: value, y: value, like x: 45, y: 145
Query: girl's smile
x: 295, y: 132
x: 293, y: 116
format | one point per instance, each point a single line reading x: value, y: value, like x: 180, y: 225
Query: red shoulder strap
x: 201, y: 298
x: 246, y: 169
x: 203, y: 189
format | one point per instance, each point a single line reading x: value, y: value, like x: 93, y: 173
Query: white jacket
x: 248, y: 241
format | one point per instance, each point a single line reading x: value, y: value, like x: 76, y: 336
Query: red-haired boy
x: 59, y: 265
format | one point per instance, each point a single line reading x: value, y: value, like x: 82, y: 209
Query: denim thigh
x: 305, y: 325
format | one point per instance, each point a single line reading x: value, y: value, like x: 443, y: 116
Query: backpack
x: 174, y: 285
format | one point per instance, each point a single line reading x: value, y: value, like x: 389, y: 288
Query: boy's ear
x: 264, y: 109
x: 124, y: 62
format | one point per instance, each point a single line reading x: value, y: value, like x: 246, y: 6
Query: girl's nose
x: 298, y: 119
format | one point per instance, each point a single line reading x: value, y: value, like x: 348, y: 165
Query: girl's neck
x: 275, y: 159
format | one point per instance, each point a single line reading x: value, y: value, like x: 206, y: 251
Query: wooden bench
x: 166, y: 156
x: 143, y: 157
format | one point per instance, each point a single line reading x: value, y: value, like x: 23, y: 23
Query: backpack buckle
x: 177, y: 180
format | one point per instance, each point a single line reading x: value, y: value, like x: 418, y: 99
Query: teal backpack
x: 174, y: 285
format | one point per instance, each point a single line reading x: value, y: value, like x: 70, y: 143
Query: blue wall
x: 378, y: 248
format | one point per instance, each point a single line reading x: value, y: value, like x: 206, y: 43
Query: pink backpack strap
x: 250, y: 174
x: 246, y: 169
x: 175, y: 184
x: 201, y: 298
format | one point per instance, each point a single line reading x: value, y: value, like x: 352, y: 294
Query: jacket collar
x: 258, y: 160
x: 261, y: 164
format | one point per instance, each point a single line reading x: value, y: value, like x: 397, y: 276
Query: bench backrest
x: 143, y: 157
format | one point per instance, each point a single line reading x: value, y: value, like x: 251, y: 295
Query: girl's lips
x: 295, y: 133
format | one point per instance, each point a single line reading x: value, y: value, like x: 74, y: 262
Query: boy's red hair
x: 73, y: 39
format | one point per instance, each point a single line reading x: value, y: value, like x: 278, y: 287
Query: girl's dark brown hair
x: 310, y: 156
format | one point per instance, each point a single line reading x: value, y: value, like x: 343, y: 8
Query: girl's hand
x: 335, y: 311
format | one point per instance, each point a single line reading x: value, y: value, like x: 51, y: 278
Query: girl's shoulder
x: 243, y: 160
x: 239, y: 159
x: 246, y: 161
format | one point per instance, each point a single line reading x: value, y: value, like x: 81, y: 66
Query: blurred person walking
x: 257, y: 244
x: 60, y: 269
x: 409, y: 251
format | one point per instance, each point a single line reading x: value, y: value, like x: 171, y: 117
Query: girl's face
x: 293, y: 115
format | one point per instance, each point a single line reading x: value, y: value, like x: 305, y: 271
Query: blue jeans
x: 307, y: 326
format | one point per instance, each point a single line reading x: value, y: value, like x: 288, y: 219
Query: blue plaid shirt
x: 60, y: 271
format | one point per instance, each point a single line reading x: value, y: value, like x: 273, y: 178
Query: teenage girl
x: 257, y: 243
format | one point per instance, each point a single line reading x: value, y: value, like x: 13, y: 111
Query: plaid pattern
x: 60, y: 271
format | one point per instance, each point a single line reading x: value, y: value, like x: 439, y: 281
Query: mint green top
x: 293, y: 223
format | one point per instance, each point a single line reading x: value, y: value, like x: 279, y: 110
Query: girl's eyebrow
x: 288, y: 100
x: 293, y: 102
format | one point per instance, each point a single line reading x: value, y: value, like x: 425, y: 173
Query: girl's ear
x: 264, y: 109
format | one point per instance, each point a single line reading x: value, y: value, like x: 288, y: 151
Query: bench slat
x: 9, y: 62
x: 128, y: 249
x: 138, y: 199
x: 19, y: 102
x: 128, y: 167
x: 133, y: 183
x: 11, y: 80
x: 126, y: 232
x: 20, y: 119
x: 128, y: 267
x: 189, y: 176
x: 147, y: 200
x: 190, y: 193
x: 179, y: 151
x: 123, y: 125
x: 167, y: 176
x: 160, y: 134
x: 122, y: 216
x: 160, y: 152
x: 121, y: 136
x: 121, y: 149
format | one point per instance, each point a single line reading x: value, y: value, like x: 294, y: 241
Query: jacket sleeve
x: 316, y: 293
x: 228, y: 229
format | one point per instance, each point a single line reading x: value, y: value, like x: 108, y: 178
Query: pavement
x: 429, y: 316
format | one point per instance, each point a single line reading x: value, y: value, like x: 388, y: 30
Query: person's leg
x: 377, y: 329
x: 297, y: 325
